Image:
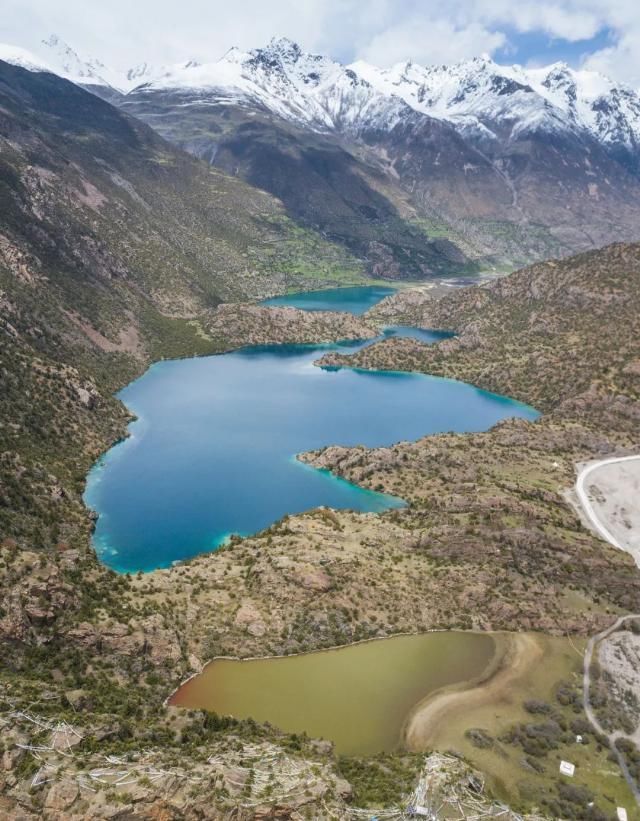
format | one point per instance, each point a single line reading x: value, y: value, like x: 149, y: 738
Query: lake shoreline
x: 357, y: 699
x: 487, y: 673
x: 511, y: 660
x: 383, y: 426
x: 206, y: 664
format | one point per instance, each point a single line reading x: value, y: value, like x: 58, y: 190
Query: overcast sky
x: 603, y: 34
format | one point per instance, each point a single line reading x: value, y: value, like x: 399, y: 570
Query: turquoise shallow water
x: 213, y: 449
x: 354, y: 300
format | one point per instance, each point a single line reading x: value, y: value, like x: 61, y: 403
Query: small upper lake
x: 213, y: 449
x: 359, y: 697
x: 354, y: 300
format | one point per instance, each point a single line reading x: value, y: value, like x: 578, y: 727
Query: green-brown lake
x: 359, y: 697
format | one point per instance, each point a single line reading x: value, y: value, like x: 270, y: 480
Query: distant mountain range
x: 479, y: 97
x: 495, y: 165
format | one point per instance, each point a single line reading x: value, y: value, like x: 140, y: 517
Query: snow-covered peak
x: 280, y: 78
x: 444, y: 91
x: 284, y: 48
x: 56, y: 57
x: 608, y: 110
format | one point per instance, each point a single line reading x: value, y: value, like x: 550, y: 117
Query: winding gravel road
x: 588, y: 708
x: 594, y: 640
x: 587, y: 506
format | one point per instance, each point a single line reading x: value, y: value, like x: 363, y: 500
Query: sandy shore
x: 516, y: 654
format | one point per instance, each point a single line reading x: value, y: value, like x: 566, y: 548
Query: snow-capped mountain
x: 57, y: 57
x: 309, y: 89
x: 524, y: 163
x: 483, y: 96
x: 480, y: 98
x: 476, y: 96
x: 82, y: 71
x: 532, y: 162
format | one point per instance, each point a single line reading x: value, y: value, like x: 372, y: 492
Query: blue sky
x: 540, y: 48
x: 600, y: 34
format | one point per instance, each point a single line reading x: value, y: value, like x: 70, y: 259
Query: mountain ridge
x: 464, y: 167
x: 516, y: 176
x: 450, y: 92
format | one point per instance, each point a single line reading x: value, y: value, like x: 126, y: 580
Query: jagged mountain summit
x: 485, y: 98
x: 308, y: 89
x: 323, y: 93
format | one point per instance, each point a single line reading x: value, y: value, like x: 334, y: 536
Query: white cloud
x: 123, y: 32
x: 576, y: 20
x: 621, y: 59
x: 567, y: 20
x: 430, y: 41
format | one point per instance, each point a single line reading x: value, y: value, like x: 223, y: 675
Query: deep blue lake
x: 213, y: 449
x: 354, y: 300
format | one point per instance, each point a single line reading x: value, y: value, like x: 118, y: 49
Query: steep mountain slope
x: 290, y: 122
x: 251, y: 115
x: 347, y: 197
x: 100, y: 207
